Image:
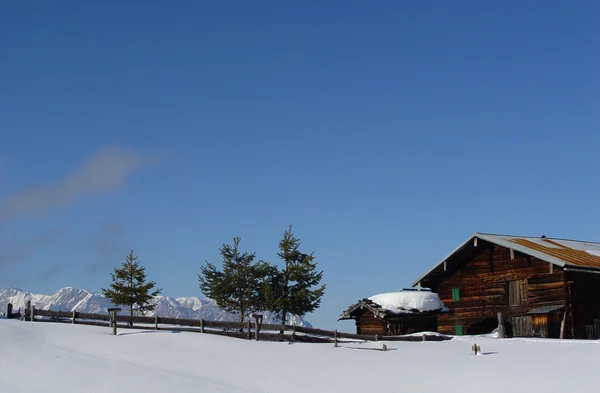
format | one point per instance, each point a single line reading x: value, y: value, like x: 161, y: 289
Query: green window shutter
x: 459, y: 330
x: 455, y: 294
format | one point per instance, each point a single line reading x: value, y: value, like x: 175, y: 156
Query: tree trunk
x: 131, y: 314
x: 242, y: 312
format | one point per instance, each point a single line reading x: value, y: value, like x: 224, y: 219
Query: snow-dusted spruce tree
x: 237, y: 288
x: 129, y: 287
x: 294, y: 288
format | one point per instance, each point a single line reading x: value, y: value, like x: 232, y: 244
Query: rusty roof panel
x: 570, y: 256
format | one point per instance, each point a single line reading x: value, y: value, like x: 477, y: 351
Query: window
x: 458, y: 330
x: 517, y: 292
x: 455, y: 294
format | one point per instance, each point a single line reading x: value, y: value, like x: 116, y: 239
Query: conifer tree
x: 129, y: 287
x: 237, y: 288
x: 294, y: 288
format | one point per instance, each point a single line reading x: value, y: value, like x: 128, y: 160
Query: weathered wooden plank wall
x: 483, y: 285
x: 369, y: 324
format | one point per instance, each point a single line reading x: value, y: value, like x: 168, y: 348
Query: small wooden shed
x: 396, y: 313
x: 540, y: 322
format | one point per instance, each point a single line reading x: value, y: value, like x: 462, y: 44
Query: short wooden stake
x: 383, y: 347
x: 112, y: 313
x: 27, y: 309
x: 377, y: 337
x: 249, y: 332
x: 476, y: 349
x: 73, y: 317
x: 202, y: 326
x: 32, y: 313
x: 156, y: 322
x: 335, y: 340
x: 424, y: 337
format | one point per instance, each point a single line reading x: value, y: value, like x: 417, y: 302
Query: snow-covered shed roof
x: 404, y: 302
x: 580, y: 255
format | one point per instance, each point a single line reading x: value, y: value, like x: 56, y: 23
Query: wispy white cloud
x: 105, y: 171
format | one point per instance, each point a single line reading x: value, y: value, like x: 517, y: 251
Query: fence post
x: 155, y: 322
x: 501, y: 332
x: 112, y: 312
x: 257, y: 324
x: 73, y: 317
x: 27, y: 310
x: 335, y: 340
x: 377, y: 337
x: 294, y: 332
x: 32, y: 313
x: 384, y: 347
x: 424, y: 337
x: 249, y: 332
x: 9, y: 308
x: 201, y: 325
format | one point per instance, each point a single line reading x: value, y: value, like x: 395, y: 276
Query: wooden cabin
x: 395, y: 313
x: 543, y: 287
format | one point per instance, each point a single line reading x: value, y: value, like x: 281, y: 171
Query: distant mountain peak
x: 70, y: 298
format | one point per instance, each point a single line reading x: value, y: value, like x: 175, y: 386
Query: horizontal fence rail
x: 247, y: 329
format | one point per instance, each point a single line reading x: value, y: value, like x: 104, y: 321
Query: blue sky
x: 385, y: 132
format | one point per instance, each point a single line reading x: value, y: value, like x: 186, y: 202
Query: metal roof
x: 559, y: 252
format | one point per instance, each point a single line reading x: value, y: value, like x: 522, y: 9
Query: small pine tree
x: 292, y: 289
x: 129, y: 287
x: 237, y: 288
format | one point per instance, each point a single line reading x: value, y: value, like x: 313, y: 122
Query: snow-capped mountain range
x: 69, y: 299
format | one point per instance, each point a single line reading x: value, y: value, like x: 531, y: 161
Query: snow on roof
x: 398, y: 302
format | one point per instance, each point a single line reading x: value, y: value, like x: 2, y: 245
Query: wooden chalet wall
x: 367, y: 323
x: 585, y: 300
x: 483, y: 289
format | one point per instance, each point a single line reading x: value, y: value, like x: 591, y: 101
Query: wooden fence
x: 248, y: 329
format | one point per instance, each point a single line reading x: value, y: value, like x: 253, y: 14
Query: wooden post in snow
x: 249, y: 332
x: 73, y: 317
x: 257, y: 325
x: 155, y: 321
x: 112, y: 312
x: 501, y: 331
x: 9, y: 308
x: 335, y: 340
x: 27, y: 310
x: 294, y: 332
x: 32, y: 312
x: 201, y: 325
x: 562, y: 325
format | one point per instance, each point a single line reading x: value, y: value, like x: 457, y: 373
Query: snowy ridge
x: 69, y: 299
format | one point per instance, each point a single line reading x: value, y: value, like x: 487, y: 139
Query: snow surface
x: 57, y: 358
x: 403, y: 301
x: 69, y: 299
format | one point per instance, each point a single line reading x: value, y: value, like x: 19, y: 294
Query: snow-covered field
x: 49, y: 358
